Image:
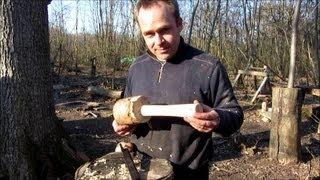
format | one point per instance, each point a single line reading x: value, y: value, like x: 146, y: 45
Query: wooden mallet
x: 135, y: 110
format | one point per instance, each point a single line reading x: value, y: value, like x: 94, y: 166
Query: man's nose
x: 158, y: 39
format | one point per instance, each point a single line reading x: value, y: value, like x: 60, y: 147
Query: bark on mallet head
x: 128, y: 110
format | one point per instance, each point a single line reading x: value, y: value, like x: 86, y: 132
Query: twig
x: 93, y: 114
x: 313, y: 157
x: 218, y: 169
x: 315, y: 118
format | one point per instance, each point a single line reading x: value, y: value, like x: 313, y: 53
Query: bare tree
x: 192, y: 21
x: 214, y: 19
x: 294, y: 36
x: 245, y: 22
x: 75, y: 44
x: 317, y: 47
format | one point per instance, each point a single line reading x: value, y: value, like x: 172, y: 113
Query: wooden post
x: 285, y: 137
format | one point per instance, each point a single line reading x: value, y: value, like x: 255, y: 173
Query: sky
x: 67, y: 8
x: 88, y: 11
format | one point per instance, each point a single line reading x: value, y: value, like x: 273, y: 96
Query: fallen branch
x: 95, y: 90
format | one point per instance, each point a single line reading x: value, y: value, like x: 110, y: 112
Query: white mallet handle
x: 179, y: 110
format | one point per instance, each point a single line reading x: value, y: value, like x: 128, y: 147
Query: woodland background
x: 238, y: 32
x: 50, y: 124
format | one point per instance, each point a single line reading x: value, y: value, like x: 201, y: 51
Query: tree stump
x: 285, y: 140
x: 112, y: 166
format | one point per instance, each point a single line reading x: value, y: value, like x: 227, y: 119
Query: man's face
x: 160, y: 30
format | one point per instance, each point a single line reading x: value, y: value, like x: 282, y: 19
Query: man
x: 172, y: 72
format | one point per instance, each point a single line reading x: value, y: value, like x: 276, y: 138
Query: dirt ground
x: 242, y: 156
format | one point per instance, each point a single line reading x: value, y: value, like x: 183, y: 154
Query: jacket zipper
x: 161, y: 70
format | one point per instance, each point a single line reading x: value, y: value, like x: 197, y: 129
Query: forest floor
x: 242, y: 156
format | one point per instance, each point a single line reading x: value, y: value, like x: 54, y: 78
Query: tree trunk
x: 294, y: 38
x: 245, y: 22
x: 317, y: 47
x: 211, y: 34
x: 192, y: 21
x: 101, y: 31
x: 28, y: 124
x: 75, y: 42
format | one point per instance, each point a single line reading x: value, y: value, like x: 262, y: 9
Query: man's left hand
x: 206, y: 121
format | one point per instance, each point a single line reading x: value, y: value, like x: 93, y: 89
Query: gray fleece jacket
x: 190, y: 75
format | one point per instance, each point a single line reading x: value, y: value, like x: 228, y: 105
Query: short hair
x: 147, y: 3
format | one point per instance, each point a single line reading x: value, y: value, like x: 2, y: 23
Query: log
x: 285, y: 139
x: 257, y: 68
x: 310, y: 111
x: 253, y: 73
x: 315, y: 92
x: 71, y: 104
x: 95, y: 90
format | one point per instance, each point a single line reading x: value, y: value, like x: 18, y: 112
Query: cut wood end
x: 198, y: 108
x: 128, y: 110
x: 135, y: 109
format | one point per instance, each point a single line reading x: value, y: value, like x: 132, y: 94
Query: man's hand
x: 122, y: 130
x: 206, y: 121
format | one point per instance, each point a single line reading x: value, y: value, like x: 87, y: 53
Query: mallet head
x: 128, y: 110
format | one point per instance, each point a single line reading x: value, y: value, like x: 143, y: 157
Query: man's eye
x: 149, y: 34
x: 165, y: 30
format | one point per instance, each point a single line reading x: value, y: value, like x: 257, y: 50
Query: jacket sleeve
x: 225, y: 102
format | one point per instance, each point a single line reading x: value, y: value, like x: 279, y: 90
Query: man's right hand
x: 123, y: 130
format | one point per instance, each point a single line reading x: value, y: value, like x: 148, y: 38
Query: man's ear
x: 179, y: 23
